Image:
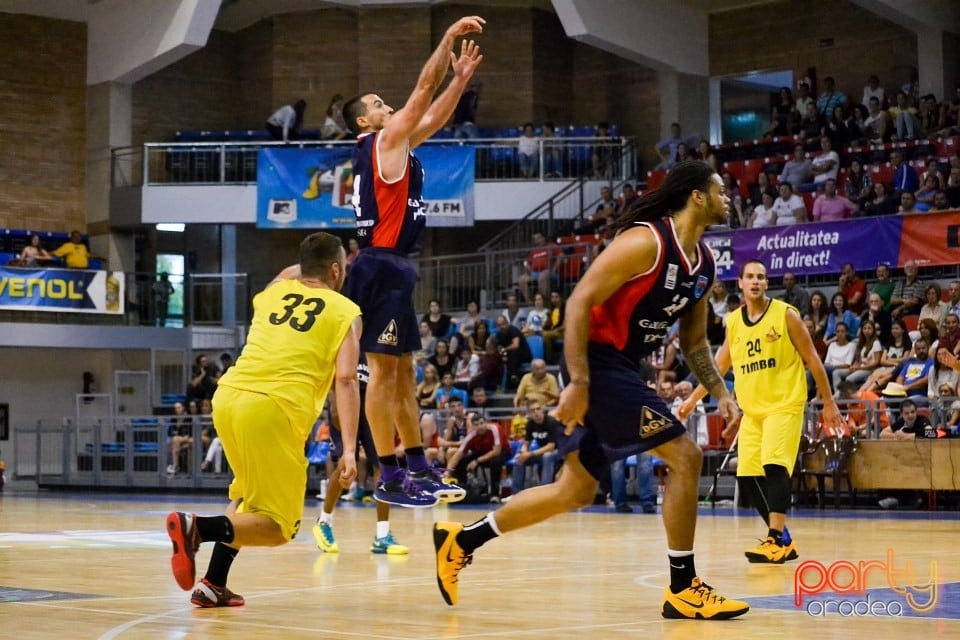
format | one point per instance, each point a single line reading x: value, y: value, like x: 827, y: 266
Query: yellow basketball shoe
x: 700, y: 601
x: 792, y: 553
x: 450, y: 559
x: 769, y: 552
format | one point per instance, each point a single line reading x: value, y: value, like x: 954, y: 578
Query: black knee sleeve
x: 778, y: 488
x: 755, y: 488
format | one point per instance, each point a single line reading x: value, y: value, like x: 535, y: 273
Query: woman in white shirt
x: 763, y: 214
x: 841, y: 352
x: 536, y: 317
x: 933, y: 307
x: 869, y: 352
x: 899, y: 349
x: 528, y: 152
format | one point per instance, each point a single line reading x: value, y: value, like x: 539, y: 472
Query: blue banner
x: 310, y: 188
x: 71, y: 290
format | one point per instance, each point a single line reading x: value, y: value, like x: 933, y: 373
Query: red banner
x: 930, y: 238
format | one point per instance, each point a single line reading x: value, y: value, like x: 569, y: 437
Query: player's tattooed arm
x: 701, y: 363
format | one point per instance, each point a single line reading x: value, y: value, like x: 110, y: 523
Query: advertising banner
x: 70, y: 290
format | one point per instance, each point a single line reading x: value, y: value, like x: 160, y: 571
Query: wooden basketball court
x: 75, y: 565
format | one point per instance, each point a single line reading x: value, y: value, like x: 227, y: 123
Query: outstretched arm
x: 723, y: 365
x: 445, y: 104
x: 402, y: 124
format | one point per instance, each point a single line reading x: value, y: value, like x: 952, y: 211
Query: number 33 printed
x: 304, y: 318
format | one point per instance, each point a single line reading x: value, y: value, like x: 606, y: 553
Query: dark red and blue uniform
x: 626, y: 416
x: 391, y: 222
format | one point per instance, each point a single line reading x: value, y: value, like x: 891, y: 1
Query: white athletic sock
x: 325, y: 517
x: 383, y: 528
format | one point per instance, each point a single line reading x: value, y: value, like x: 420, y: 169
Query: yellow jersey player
x: 304, y: 338
x: 767, y: 344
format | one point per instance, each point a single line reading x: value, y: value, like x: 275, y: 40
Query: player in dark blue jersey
x: 391, y: 220
x: 656, y: 271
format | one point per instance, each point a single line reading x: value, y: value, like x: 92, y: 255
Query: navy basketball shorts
x: 381, y: 283
x: 625, y: 416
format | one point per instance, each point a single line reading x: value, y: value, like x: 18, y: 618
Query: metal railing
x: 497, y: 159
x: 564, y: 212
x: 200, y: 299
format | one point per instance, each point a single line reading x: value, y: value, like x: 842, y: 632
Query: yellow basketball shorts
x: 266, y: 453
x: 772, y: 439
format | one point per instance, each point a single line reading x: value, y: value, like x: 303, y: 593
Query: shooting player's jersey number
x: 300, y: 314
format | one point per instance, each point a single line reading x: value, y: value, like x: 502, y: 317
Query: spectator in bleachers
x: 763, y: 215
x: 203, y: 381
x: 454, y: 430
x: 872, y: 90
x: 553, y: 328
x: 858, y: 187
x: 513, y: 348
x: 803, y: 100
x: 876, y: 128
x: 879, y: 316
x: 852, y: 288
x: 286, y: 121
x: 439, y: 322
x: 428, y: 342
x: 824, y: 167
x: 932, y: 118
x: 74, y: 253
x: 538, y: 385
x: 830, y: 207
x: 953, y: 186
x: 794, y: 294
x: 468, y: 323
x: 855, y: 405
x: 539, y: 448
x: 756, y: 189
x: 33, y: 253
x: 797, y: 169
x: 481, y: 447
x: 736, y: 216
x: 933, y: 169
x: 867, y: 359
x: 703, y: 150
x: 905, y: 121
x: 840, y: 314
x: 602, y: 152
x: 528, y: 152
x: 911, y: 88
x: 466, y: 370
x: 536, y: 317
x: 908, y: 203
x: 926, y: 194
x: 940, y: 202
x: 904, y: 176
x: 478, y: 341
x: 427, y: 388
x: 180, y: 432
x: 881, y: 203
x: 442, y: 359
x: 447, y: 391
x: 541, y: 266
x: 627, y: 197
x: 465, y: 114
x: 478, y: 398
x: 788, y: 208
x: 718, y: 298
x: 883, y: 286
x: 916, y: 370
x: 953, y: 297
x: 782, y: 114
x: 514, y: 313
x: 841, y: 353
x: 933, y: 307
x: 491, y: 365
x: 603, y: 216
x: 830, y: 98
x: 897, y: 351
x: 552, y: 152
x: 667, y: 148
x: 353, y: 250
x: 334, y: 126
x: 162, y: 290
x: 817, y: 312
x: 843, y: 128
x: 812, y: 126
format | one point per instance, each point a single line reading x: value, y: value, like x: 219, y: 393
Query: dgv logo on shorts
x: 389, y: 335
x: 652, y: 423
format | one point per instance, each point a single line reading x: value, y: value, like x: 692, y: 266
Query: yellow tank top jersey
x: 292, y: 347
x: 769, y: 374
